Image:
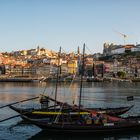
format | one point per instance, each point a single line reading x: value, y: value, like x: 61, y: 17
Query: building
x: 112, y: 49
x: 72, y: 66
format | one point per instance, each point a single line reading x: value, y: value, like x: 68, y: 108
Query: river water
x: 106, y: 94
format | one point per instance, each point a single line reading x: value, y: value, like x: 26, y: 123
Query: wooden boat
x: 118, y: 125
x: 41, y: 113
x: 30, y: 112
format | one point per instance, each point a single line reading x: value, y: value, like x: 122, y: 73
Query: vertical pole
x: 102, y: 70
x: 82, y: 74
x: 58, y: 72
x: 95, y: 70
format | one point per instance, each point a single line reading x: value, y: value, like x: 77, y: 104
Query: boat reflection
x: 44, y: 136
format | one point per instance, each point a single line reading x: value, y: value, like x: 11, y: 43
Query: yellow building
x: 72, y: 66
x: 23, y: 52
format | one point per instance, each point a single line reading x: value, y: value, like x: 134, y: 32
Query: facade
x: 44, y: 70
x: 64, y: 68
x: 2, y: 69
x: 72, y: 66
x: 111, y: 49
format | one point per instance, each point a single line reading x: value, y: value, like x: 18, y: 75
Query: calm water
x: 94, y: 95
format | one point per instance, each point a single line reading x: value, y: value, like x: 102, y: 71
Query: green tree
x: 121, y: 74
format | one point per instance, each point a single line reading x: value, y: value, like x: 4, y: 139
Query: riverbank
x: 71, y: 78
x: 6, y: 78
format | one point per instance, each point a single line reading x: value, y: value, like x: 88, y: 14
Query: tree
x: 121, y: 74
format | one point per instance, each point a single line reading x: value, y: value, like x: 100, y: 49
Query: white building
x: 124, y: 49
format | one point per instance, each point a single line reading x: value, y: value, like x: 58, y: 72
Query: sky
x: 25, y: 24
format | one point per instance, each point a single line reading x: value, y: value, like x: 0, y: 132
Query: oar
x: 18, y: 102
x: 10, y: 118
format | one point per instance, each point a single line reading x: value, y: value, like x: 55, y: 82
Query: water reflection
x: 44, y: 136
x: 15, y: 129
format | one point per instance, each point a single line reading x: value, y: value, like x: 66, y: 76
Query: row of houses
x: 37, y: 61
x: 42, y: 62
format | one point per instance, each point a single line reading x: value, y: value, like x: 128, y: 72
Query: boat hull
x: 126, y: 126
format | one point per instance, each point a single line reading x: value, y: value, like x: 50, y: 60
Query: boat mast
x: 94, y: 68
x: 82, y: 74
x: 57, y: 77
